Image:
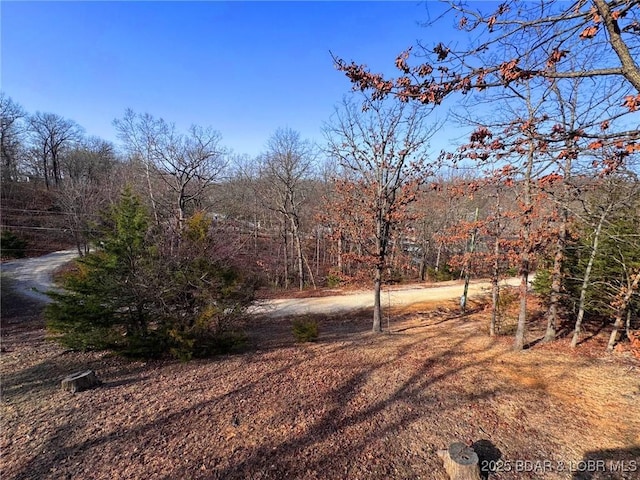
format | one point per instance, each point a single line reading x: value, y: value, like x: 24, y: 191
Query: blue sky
x: 244, y: 68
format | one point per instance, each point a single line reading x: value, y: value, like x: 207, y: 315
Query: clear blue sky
x: 244, y: 68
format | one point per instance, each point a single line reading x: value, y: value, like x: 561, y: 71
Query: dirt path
x: 31, y: 277
x: 393, y: 297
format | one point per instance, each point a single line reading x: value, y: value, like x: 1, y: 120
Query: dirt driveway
x: 391, y: 297
x: 31, y: 277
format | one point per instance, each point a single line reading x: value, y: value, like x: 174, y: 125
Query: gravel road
x: 31, y: 277
x: 394, y: 296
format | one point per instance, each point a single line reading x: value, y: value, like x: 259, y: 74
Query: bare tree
x: 187, y: 164
x: 383, y: 154
x: 89, y: 171
x: 11, y: 132
x: 621, y: 303
x: 137, y: 132
x: 51, y: 136
x: 89, y: 160
x: 287, y: 164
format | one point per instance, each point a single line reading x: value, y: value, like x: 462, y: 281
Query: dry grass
x: 353, y: 405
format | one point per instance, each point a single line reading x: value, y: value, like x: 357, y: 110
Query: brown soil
x: 353, y: 405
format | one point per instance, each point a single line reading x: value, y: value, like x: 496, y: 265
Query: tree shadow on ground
x: 281, y: 458
x: 302, y: 413
x: 614, y: 464
x: 321, y: 443
x: 266, y: 333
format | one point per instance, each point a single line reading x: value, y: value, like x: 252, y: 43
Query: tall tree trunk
x: 585, y: 279
x: 495, y: 274
x: 630, y: 69
x: 255, y: 236
x: 45, y: 169
x: 558, y: 258
x: 286, y: 256
x: 437, y: 266
x: 339, y: 246
x: 154, y: 206
x: 299, y: 260
x: 495, y: 288
x: 317, y: 253
x: 556, y: 281
x: 181, y: 216
x: 467, y: 274
x: 377, y: 305
x: 56, y: 169
x: 522, y: 315
x: 525, y: 257
x: 423, y: 266
x: 377, y: 281
x: 311, y: 278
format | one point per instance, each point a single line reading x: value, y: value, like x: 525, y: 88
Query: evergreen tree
x: 617, y: 259
x: 142, y: 295
x: 108, y: 298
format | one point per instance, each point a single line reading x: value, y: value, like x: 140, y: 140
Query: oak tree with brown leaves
x: 383, y: 156
x: 549, y: 34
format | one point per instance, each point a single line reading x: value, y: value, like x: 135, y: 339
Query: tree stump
x: 460, y: 462
x: 77, y: 382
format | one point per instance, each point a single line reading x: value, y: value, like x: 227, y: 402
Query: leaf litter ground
x: 353, y: 405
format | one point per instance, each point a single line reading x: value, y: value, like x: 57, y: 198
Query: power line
x: 48, y: 212
x: 24, y: 227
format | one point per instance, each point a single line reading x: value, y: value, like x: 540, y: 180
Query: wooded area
x: 547, y: 184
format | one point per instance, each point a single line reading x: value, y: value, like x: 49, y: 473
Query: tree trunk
x: 467, y: 274
x: 56, y: 169
x: 317, y: 253
x: 154, y: 207
x: 522, y: 315
x: 181, y: 216
x: 585, y: 279
x: 255, y: 236
x: 495, y: 274
x: 526, y: 254
x: 630, y: 69
x: 45, y: 166
x: 311, y: 278
x: 556, y: 285
x: 79, y: 245
x: 561, y: 245
x: 495, y: 288
x: 377, y: 305
x: 286, y: 257
x: 340, y: 253
x: 300, y: 261
x: 423, y: 268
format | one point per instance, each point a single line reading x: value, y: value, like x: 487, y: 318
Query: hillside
x: 353, y: 405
